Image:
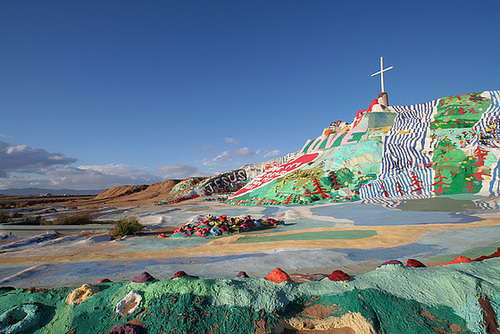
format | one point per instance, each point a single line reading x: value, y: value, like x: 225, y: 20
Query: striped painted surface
x: 487, y: 204
x: 409, y: 183
x: 403, y: 150
x: 391, y: 203
x: 404, y: 170
x: 416, y: 117
x: 494, y: 189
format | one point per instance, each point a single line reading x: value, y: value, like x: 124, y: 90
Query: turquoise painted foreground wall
x: 390, y: 299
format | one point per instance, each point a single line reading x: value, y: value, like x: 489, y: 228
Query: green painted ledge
x: 354, y: 234
x: 470, y: 253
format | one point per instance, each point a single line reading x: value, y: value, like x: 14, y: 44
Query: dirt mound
x: 122, y: 196
x: 120, y: 191
x: 142, y: 195
x: 155, y: 191
x: 163, y: 187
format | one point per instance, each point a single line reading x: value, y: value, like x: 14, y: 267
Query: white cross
x: 381, y: 72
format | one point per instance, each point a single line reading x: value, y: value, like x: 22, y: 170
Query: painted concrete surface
x: 330, y: 235
x: 442, y: 234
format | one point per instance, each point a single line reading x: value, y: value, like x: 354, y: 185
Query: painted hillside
x: 444, y: 147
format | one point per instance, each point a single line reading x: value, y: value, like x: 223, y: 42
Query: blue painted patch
x: 401, y: 253
x: 225, y: 266
x: 150, y: 243
x: 376, y: 215
x: 457, y: 241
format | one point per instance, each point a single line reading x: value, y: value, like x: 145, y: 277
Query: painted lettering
x: 242, y: 175
x: 316, y: 144
x: 353, y: 136
x: 323, y: 142
x: 210, y: 186
x: 334, y: 140
x: 233, y: 174
x: 280, y: 171
x: 226, y: 182
x: 306, y: 145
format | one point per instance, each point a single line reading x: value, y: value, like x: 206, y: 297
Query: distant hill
x: 40, y: 191
x: 136, y: 195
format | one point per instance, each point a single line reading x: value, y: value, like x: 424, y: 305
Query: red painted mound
x: 242, y: 274
x: 183, y: 274
x: 338, y: 275
x: 414, y: 263
x: 104, y: 280
x: 278, y: 276
x: 460, y: 259
x: 144, y: 277
x: 391, y: 262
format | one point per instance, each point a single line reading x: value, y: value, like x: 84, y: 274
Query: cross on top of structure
x: 381, y: 72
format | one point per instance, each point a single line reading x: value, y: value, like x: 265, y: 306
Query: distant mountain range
x: 40, y: 191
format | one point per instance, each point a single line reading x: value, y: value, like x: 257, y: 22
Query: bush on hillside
x: 126, y: 226
x: 4, y: 216
x: 51, y: 210
x: 31, y: 220
x: 16, y: 214
x: 76, y: 218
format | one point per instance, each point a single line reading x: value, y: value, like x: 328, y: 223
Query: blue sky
x: 95, y: 94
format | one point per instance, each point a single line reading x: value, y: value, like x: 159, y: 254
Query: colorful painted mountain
x: 444, y: 147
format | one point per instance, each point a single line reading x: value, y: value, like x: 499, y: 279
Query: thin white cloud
x: 209, y: 163
x: 272, y: 153
x: 232, y: 141
x: 225, y: 156
x: 244, y: 152
x: 178, y: 171
x: 116, y: 169
x: 14, y: 181
x: 81, y: 178
x: 205, y: 148
x: 100, y: 176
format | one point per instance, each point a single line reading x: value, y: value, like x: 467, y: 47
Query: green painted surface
x: 335, y: 176
x: 398, y: 315
x: 185, y: 184
x: 440, y: 204
x: 459, y: 111
x: 470, y: 253
x: 458, y: 173
x: 311, y: 236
